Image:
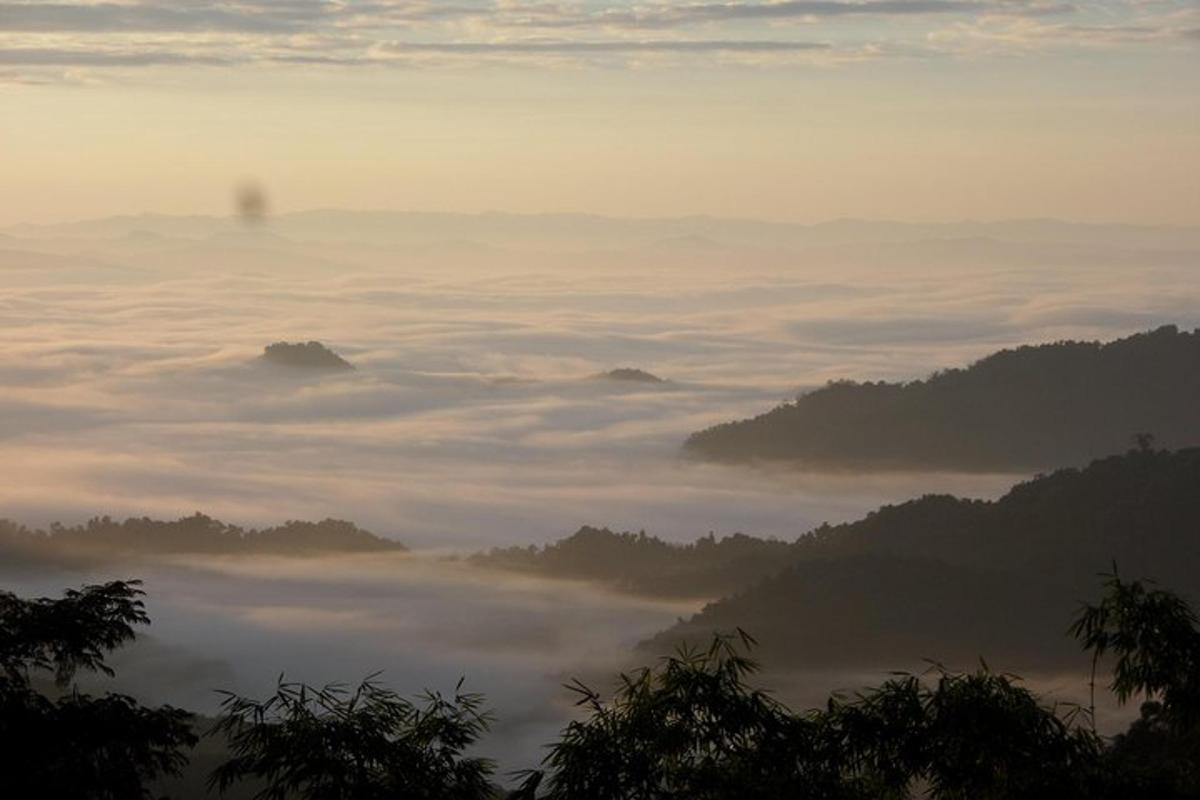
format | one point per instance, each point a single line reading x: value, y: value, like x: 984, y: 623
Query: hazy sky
x: 914, y: 109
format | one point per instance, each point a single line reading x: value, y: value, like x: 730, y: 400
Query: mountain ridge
x: 1027, y: 408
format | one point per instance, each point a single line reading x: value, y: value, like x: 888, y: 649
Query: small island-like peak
x: 628, y: 374
x: 304, y: 355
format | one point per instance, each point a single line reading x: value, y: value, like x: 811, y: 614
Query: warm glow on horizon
x: 786, y: 111
x: 497, y: 350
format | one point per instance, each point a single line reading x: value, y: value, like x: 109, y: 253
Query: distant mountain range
x: 1030, y: 408
x: 571, y: 230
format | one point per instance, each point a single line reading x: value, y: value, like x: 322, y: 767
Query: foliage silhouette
x: 368, y: 743
x: 1152, y: 634
x: 690, y: 728
x: 74, y: 745
x: 964, y: 736
x: 694, y: 727
x: 1155, y: 758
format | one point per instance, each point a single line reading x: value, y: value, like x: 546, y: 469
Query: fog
x: 130, y: 387
x: 473, y: 418
x: 419, y: 621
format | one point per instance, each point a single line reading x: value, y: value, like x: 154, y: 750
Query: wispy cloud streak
x: 315, y: 34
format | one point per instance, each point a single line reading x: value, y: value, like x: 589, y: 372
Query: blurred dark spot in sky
x: 251, y: 202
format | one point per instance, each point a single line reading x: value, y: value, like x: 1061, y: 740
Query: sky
x: 798, y: 111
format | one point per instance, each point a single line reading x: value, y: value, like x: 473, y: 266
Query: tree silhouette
x: 72, y: 745
x: 1152, y: 635
x: 963, y: 736
x: 368, y: 743
x: 691, y: 727
x: 694, y: 728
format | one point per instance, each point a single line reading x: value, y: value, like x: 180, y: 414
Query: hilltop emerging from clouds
x: 132, y: 384
x: 1032, y: 407
x: 311, y: 356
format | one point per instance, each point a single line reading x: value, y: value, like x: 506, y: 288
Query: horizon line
x: 596, y: 215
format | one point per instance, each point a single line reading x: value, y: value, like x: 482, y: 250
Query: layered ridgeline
x: 1034, y: 407
x: 103, y: 538
x: 951, y: 579
x: 937, y: 577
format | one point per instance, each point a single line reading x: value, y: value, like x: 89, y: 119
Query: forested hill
x: 1141, y: 509
x: 945, y: 578
x: 1034, y: 407
x: 312, y: 356
x: 641, y: 564
x: 103, y: 537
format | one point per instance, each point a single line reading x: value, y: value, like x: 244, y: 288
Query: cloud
x: 303, y: 34
x: 129, y: 391
x: 690, y: 14
x: 606, y: 51
x: 609, y: 46
x: 901, y: 330
x: 295, y: 17
x: 40, y: 57
x: 998, y: 33
x: 153, y: 17
x: 427, y: 441
x: 420, y: 621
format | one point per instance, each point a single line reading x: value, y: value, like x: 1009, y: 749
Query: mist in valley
x: 474, y: 418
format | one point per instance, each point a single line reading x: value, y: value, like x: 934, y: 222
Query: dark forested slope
x: 949, y: 578
x: 1140, y: 509
x: 635, y: 562
x: 1029, y: 408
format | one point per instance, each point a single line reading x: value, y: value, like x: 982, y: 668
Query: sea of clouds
x: 131, y: 386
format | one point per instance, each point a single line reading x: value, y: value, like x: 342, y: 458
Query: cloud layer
x: 130, y: 387
x: 109, y: 35
x: 471, y: 419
